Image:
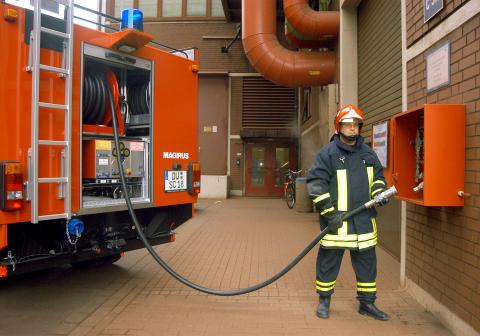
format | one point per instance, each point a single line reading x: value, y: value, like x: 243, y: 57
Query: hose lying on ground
x: 189, y: 283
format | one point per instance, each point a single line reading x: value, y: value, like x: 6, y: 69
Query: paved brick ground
x: 229, y: 244
x: 236, y: 243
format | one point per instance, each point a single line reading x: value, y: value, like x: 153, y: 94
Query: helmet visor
x: 351, y: 121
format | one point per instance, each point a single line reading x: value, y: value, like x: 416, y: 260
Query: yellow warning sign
x: 103, y: 145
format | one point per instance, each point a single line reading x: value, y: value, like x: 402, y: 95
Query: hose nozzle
x: 380, y: 198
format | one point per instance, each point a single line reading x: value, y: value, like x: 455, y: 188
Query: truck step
x: 54, y: 69
x: 53, y: 180
x: 54, y: 216
x: 53, y: 143
x: 53, y: 106
x: 55, y: 33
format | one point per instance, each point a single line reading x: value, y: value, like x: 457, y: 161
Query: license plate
x: 175, y: 180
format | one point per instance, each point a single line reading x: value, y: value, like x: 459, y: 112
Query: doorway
x: 266, y: 166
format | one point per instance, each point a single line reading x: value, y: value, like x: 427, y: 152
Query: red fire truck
x: 61, y: 200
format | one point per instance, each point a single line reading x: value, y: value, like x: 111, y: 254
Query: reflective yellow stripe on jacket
x: 342, y: 204
x: 370, y: 179
x: 321, y: 197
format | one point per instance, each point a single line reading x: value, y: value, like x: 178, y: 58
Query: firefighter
x: 347, y: 173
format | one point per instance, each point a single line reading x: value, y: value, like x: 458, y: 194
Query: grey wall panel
x: 380, y: 88
x: 379, y: 60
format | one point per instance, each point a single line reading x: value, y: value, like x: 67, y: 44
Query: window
x: 258, y: 166
x: 148, y: 8
x: 48, y: 5
x: 217, y: 8
x: 306, y: 114
x: 171, y: 8
x: 121, y: 4
x: 196, y: 7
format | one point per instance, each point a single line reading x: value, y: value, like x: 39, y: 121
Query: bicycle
x: 289, y: 187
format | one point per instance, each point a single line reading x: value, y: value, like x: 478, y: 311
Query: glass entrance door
x: 266, y: 165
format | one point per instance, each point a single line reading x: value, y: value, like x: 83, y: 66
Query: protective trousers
x: 364, y: 264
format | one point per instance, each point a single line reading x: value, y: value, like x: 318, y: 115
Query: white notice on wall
x: 380, y: 142
x: 438, y: 67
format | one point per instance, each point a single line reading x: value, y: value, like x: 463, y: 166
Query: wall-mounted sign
x: 431, y: 8
x: 438, y: 67
x: 380, y: 142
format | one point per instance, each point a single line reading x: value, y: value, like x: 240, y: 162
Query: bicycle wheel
x: 290, y: 196
x: 284, y: 192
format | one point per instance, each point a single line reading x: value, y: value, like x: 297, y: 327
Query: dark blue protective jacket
x: 343, y: 178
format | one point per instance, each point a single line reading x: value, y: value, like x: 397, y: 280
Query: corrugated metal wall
x: 380, y: 88
x: 379, y: 60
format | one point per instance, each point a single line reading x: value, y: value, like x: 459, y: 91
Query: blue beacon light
x: 131, y: 18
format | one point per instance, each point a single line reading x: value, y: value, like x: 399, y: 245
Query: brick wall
x: 211, y: 59
x: 236, y: 171
x: 236, y: 145
x: 443, y: 244
x: 213, y: 112
x: 236, y: 105
x: 192, y: 34
x: 416, y: 27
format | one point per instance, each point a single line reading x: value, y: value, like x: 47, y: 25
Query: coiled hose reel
x: 96, y: 105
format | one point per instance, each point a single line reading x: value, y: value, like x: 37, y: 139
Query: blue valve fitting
x: 75, y: 226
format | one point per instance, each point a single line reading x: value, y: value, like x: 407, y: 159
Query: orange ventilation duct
x: 271, y: 59
x: 311, y: 23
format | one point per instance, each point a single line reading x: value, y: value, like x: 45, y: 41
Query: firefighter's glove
x: 334, y: 221
x: 382, y: 201
x: 378, y: 187
x: 317, y: 207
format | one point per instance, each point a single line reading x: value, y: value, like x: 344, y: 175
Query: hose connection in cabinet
x: 419, y: 157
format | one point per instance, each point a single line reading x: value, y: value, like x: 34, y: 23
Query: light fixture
x: 126, y: 48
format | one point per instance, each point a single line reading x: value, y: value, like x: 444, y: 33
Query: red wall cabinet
x: 442, y: 159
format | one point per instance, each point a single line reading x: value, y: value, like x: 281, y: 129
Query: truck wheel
x: 96, y: 262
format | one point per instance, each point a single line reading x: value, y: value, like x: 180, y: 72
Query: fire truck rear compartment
x: 129, y: 80
x: 60, y: 137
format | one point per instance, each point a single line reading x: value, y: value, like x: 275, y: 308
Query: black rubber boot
x: 323, y: 307
x: 369, y: 309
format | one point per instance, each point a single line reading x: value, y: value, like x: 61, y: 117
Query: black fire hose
x: 166, y: 267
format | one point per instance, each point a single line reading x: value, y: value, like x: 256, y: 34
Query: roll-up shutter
x: 379, y: 60
x: 380, y: 89
x: 267, y: 106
